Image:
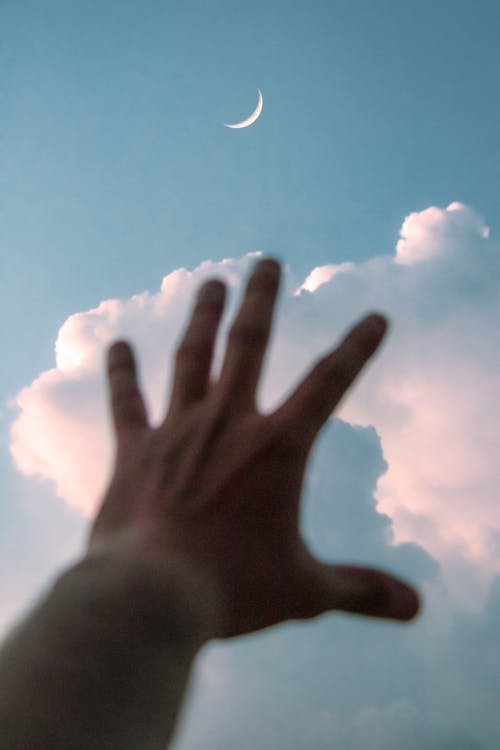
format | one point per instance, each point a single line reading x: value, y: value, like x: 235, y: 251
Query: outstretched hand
x: 216, y: 487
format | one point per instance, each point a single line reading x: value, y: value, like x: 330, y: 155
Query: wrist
x: 157, y: 599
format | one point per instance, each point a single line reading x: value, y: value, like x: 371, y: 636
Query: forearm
x: 101, y: 663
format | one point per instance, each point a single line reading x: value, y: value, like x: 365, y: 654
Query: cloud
x: 435, y: 233
x: 406, y: 477
x: 432, y: 395
x: 340, y: 519
x: 62, y: 432
x: 340, y: 681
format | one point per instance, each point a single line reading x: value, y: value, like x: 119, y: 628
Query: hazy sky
x: 373, y: 174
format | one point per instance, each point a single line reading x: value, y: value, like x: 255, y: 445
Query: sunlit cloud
x: 405, y: 478
x: 432, y: 394
x: 341, y: 681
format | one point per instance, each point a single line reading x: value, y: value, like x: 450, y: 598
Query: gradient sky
x: 378, y: 146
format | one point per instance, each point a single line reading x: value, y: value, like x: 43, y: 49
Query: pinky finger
x: 127, y: 405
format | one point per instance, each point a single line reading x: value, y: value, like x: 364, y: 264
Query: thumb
x: 363, y: 591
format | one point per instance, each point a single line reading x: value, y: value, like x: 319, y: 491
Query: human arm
x: 208, y: 502
x: 103, y: 661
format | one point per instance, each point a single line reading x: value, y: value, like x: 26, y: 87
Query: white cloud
x: 435, y: 233
x: 340, y: 681
x: 337, y: 680
x: 62, y: 431
x: 432, y: 395
x: 322, y: 274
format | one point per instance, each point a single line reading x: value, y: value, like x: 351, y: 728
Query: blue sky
x: 116, y: 170
x: 115, y: 165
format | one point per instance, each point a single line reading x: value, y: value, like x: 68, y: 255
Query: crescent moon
x: 255, y: 114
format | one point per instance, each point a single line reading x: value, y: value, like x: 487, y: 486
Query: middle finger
x: 249, y: 336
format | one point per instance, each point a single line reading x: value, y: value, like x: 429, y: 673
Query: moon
x: 255, y: 114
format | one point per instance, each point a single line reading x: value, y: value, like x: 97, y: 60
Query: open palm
x: 216, y: 488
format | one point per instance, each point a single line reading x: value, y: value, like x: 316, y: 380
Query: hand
x: 215, y: 489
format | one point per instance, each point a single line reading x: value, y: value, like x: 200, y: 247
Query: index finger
x: 307, y: 409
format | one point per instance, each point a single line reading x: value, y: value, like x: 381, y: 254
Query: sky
x: 372, y: 174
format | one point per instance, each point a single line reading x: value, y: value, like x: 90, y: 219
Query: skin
x: 197, y: 538
x: 214, y: 491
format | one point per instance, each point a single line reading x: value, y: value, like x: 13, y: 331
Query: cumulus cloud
x: 432, y: 395
x: 62, y: 432
x: 406, y: 477
x: 340, y: 681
